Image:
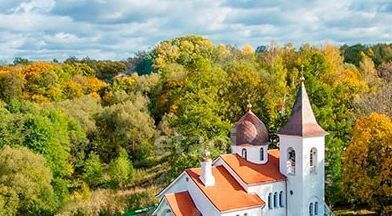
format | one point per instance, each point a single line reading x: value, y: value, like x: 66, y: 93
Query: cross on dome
x: 249, y: 106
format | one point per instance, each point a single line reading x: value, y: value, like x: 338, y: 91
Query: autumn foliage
x: 367, y: 163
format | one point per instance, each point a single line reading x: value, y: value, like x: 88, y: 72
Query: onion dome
x: 302, y: 121
x: 249, y: 130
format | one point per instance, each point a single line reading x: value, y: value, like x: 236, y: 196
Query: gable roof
x: 302, y: 121
x: 181, y: 204
x: 226, y: 194
x: 251, y: 173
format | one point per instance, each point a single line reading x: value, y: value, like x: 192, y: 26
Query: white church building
x: 254, y: 180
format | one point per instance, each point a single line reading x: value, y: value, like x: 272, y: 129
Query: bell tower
x: 302, y: 151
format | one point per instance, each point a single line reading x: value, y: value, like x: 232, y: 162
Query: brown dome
x: 249, y: 130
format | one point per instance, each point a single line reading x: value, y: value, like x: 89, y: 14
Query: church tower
x: 302, y: 157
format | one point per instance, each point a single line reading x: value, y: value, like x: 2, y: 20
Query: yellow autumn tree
x: 367, y: 163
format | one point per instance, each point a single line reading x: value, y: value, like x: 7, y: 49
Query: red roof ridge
x: 224, y: 181
x: 251, y: 173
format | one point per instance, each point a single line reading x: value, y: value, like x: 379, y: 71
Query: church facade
x: 254, y: 180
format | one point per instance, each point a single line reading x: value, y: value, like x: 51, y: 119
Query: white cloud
x: 115, y: 29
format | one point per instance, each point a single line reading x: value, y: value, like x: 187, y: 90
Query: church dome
x: 249, y: 130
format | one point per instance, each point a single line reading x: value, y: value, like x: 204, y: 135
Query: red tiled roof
x: 252, y: 173
x: 302, y: 121
x: 226, y: 194
x: 182, y: 204
x: 249, y: 130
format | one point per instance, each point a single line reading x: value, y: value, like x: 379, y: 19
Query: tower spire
x: 302, y: 121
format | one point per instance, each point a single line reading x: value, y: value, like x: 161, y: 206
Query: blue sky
x: 116, y: 29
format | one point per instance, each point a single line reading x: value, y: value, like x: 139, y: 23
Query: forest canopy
x: 90, y: 125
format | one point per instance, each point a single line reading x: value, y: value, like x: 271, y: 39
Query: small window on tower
x: 261, y: 153
x: 313, y: 160
x: 244, y: 153
x: 311, y: 209
x: 291, y: 161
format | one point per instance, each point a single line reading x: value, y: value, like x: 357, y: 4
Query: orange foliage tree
x: 367, y: 163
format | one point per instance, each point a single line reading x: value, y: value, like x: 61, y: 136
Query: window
x: 281, y: 199
x: 313, y: 160
x: 276, y: 199
x: 244, y: 153
x: 261, y: 154
x: 311, y: 209
x: 270, y: 200
x: 291, y: 161
x: 316, y: 208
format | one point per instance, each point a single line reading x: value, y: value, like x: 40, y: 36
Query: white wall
x: 248, y: 212
x: 253, y: 153
x: 314, y: 182
x: 178, y: 185
x: 185, y: 183
x: 304, y: 185
x: 163, y: 209
x: 264, y: 189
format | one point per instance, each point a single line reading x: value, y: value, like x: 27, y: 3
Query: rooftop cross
x: 249, y: 106
x: 302, y: 73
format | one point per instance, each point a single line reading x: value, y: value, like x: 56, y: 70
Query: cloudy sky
x: 116, y: 29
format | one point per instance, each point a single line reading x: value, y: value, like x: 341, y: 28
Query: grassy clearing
x: 147, y: 183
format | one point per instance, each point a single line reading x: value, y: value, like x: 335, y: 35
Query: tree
x: 367, y: 162
x: 121, y: 170
x: 93, y: 170
x: 199, y: 118
x: 127, y: 125
x: 379, y: 101
x: 25, y: 183
x: 186, y: 51
x: 385, y: 71
x: 21, y: 61
x: 12, y: 83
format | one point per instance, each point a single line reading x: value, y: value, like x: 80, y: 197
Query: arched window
x: 270, y: 200
x: 281, y: 199
x: 313, y: 160
x: 291, y: 161
x: 311, y: 209
x: 261, y: 154
x: 244, y: 153
x: 316, y: 208
x: 276, y: 199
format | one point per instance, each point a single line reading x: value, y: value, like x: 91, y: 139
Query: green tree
x: 121, y: 170
x: 25, y: 183
x: 93, y: 170
x: 127, y: 125
x: 186, y: 51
